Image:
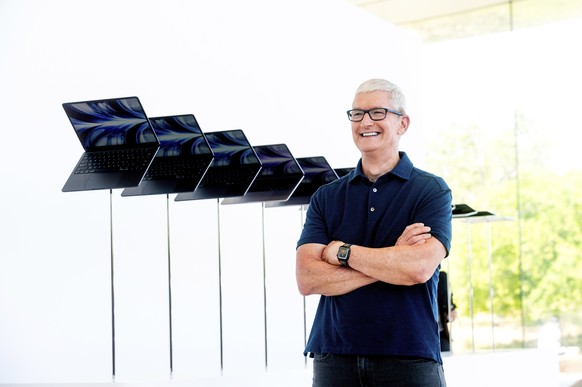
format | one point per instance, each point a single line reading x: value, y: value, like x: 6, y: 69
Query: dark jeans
x: 331, y: 370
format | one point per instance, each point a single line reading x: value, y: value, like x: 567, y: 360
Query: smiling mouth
x: 370, y: 134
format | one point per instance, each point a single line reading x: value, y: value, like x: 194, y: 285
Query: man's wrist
x: 343, y: 254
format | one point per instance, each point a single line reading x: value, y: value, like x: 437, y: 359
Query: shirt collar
x: 403, y: 169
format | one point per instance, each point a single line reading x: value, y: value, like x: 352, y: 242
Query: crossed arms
x: 411, y: 261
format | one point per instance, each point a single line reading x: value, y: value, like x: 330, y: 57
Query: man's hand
x: 414, y: 234
x: 329, y: 254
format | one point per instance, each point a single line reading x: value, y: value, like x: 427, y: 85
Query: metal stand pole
x: 470, y: 286
x: 220, y: 288
x: 491, y: 286
x: 301, y: 210
x: 264, y: 286
x: 112, y: 283
x: 169, y: 287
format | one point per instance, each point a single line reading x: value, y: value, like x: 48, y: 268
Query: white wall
x: 253, y: 65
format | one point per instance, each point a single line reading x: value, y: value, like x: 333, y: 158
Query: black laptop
x: 234, y: 168
x: 343, y: 171
x: 182, y: 160
x: 462, y: 210
x: 119, y: 143
x: 317, y: 173
x: 278, y: 179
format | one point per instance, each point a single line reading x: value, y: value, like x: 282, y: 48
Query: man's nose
x: 367, y: 118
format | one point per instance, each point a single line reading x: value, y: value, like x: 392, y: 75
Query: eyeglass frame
x: 386, y: 111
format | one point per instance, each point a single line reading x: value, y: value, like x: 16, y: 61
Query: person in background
x: 371, y: 246
x: 447, y: 311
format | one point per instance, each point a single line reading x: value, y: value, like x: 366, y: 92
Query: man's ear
x: 404, y: 123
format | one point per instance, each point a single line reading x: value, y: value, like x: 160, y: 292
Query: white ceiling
x: 437, y: 20
x: 408, y: 11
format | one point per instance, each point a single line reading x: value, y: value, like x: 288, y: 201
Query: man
x: 371, y: 246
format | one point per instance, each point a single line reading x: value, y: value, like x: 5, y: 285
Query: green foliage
x: 532, y: 263
x: 552, y: 247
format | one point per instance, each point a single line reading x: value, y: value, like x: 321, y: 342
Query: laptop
x: 182, y: 160
x: 318, y: 172
x: 462, y: 210
x: 278, y: 178
x: 118, y: 140
x: 234, y: 168
x: 343, y: 171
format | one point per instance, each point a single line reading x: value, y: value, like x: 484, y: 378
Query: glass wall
x: 500, y: 96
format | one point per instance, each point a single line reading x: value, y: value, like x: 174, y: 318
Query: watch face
x: 343, y: 252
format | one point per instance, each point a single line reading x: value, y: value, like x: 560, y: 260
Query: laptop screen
x: 231, y: 148
x: 180, y: 136
x: 115, y: 122
x: 277, y: 160
x: 317, y: 171
x: 343, y: 171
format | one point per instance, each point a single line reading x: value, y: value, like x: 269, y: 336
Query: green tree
x: 532, y: 264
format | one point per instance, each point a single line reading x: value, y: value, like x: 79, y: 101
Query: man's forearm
x: 399, y: 265
x: 315, y: 276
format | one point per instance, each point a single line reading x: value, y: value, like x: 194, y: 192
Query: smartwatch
x: 343, y: 254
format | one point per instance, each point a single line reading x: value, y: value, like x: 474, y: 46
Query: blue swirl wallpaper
x: 317, y: 170
x: 180, y: 136
x: 111, y: 122
x: 277, y: 160
x: 230, y: 148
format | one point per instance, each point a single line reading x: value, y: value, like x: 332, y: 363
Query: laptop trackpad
x: 105, y: 180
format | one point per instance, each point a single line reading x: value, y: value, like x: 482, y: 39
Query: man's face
x: 377, y: 136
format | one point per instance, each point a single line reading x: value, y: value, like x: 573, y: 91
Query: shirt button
x: 375, y: 189
x: 372, y: 209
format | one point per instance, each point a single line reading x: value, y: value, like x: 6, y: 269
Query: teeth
x: 369, y: 134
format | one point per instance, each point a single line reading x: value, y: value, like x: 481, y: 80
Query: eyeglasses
x: 376, y: 114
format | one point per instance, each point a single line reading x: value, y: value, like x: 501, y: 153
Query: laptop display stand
x: 302, y: 210
x: 112, y: 283
x: 220, y: 288
x: 265, y: 312
x: 264, y: 284
x: 488, y: 218
x: 170, y: 287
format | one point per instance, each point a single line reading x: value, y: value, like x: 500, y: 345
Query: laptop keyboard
x: 229, y: 175
x: 115, y: 160
x: 176, y: 168
x: 274, y: 185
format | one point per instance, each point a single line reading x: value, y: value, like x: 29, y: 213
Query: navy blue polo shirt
x: 380, y: 318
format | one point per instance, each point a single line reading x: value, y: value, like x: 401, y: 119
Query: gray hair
x: 395, y: 93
